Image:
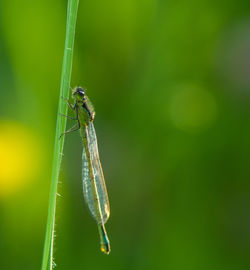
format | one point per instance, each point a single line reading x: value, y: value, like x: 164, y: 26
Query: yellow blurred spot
x: 19, y: 157
x: 192, y: 108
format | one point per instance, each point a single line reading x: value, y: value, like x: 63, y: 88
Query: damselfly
x: 94, y: 188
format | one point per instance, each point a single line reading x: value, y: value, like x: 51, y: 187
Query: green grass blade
x: 47, y: 262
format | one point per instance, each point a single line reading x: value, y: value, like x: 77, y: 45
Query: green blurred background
x: 170, y: 82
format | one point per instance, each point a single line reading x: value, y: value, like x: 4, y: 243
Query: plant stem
x: 47, y: 262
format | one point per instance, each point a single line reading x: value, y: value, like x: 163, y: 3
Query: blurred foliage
x: 170, y: 84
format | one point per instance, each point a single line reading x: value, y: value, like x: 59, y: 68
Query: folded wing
x: 101, y: 191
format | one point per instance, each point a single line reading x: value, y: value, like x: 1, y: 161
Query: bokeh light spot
x: 192, y: 108
x: 20, y: 156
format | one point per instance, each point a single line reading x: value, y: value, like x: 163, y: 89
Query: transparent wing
x: 98, y: 178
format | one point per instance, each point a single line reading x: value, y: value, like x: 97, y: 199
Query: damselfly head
x: 79, y: 93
